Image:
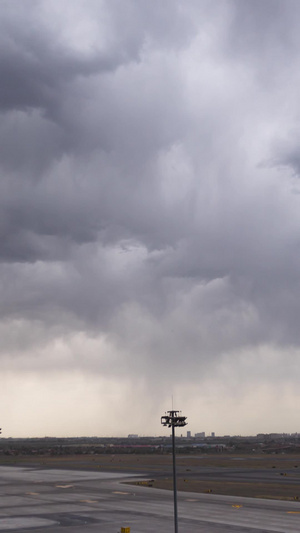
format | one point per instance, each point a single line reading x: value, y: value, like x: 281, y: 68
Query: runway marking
x: 190, y: 500
x: 13, y: 523
x: 88, y: 501
x: 119, y: 492
x: 64, y: 486
x: 293, y: 512
x: 237, y: 506
x: 32, y: 493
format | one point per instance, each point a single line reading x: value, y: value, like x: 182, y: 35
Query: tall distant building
x: 188, y: 434
x: 200, y: 435
x: 213, y: 434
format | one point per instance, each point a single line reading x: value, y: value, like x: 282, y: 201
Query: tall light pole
x: 173, y: 419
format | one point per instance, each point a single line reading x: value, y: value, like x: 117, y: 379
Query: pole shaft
x: 174, y: 480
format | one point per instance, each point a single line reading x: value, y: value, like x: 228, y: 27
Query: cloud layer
x: 149, y: 213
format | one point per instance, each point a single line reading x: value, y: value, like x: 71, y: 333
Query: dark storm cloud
x: 135, y: 197
x: 36, y: 66
x: 61, y: 106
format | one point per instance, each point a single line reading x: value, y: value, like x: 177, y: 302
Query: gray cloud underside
x: 148, y: 175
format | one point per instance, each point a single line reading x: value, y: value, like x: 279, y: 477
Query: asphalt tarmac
x: 65, y: 501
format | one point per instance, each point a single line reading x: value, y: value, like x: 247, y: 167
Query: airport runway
x: 62, y: 501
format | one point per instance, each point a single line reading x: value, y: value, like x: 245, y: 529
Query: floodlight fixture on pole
x: 174, y: 419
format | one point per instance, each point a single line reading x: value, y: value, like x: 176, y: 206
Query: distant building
x: 133, y: 436
x: 213, y: 434
x: 188, y: 434
x: 200, y: 435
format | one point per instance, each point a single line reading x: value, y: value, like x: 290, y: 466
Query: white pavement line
x: 22, y: 522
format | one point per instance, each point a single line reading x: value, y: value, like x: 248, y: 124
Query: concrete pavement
x: 76, y: 501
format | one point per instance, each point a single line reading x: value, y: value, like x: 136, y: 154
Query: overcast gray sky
x: 149, y: 215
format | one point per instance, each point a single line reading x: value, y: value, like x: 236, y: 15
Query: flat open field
x: 260, y: 476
